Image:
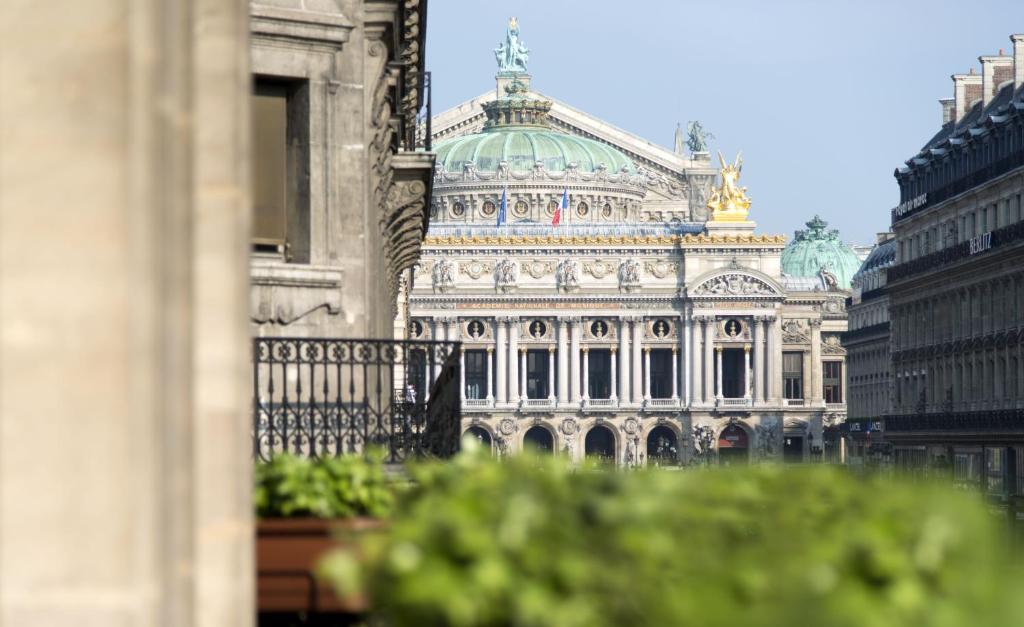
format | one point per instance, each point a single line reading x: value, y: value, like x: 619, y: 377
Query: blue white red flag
x: 504, y: 205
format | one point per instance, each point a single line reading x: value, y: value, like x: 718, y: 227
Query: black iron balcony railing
x: 978, y: 177
x: 1004, y: 420
x: 936, y: 260
x: 329, y: 397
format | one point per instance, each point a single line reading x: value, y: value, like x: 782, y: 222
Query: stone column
x: 757, y: 381
x: 774, y: 357
x: 563, y: 361
x: 513, y: 361
x: 501, y: 357
x: 709, y: 358
x: 462, y: 374
x: 695, y: 361
x: 816, y: 380
x: 574, y: 360
x: 440, y: 334
x: 524, y: 391
x: 746, y: 372
x: 490, y: 374
x: 647, y: 373
x: 126, y: 326
x: 761, y: 378
x: 586, y: 373
x: 623, y: 360
x: 675, y: 374
x: 614, y: 395
x: 636, y: 378
x: 551, y: 373
x: 718, y: 371
x: 684, y: 353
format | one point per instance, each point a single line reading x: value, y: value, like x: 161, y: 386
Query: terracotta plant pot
x: 287, y: 553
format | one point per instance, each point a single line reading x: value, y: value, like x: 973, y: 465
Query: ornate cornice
x: 625, y: 240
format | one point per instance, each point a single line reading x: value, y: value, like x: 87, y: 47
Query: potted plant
x: 305, y: 508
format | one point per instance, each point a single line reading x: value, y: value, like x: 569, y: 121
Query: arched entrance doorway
x: 480, y: 435
x: 539, y: 440
x: 600, y: 444
x: 662, y: 447
x: 733, y: 446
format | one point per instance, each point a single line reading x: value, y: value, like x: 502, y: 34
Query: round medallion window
x: 520, y: 209
x: 582, y: 209
x: 606, y: 210
x: 599, y: 328
x: 538, y: 329
x: 552, y: 206
x: 732, y: 327
x: 661, y: 328
x: 475, y: 328
x: 488, y: 208
x: 416, y: 328
x: 458, y: 210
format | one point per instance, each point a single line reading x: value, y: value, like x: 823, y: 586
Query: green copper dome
x: 816, y: 249
x: 522, y: 146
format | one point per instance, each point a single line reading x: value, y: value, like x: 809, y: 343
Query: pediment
x: 735, y: 283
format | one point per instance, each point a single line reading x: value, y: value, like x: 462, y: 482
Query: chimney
x: 966, y: 88
x: 989, y: 79
x: 948, y: 105
x: 1018, y: 60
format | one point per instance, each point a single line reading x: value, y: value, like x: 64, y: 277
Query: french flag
x: 504, y: 205
x: 555, y: 221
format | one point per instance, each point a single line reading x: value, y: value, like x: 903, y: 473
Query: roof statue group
x: 512, y: 54
x: 729, y: 202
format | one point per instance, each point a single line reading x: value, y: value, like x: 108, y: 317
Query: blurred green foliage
x: 529, y: 541
x: 341, y: 487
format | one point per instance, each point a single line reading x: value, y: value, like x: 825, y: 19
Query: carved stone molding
x: 567, y: 275
x: 734, y: 284
x: 538, y: 269
x: 629, y: 275
x: 476, y: 269
x: 795, y: 331
x: 661, y: 268
x: 831, y: 345
x: 599, y: 269
x: 506, y: 275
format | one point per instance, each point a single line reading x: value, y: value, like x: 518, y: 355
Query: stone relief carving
x: 633, y: 456
x: 768, y: 435
x: 538, y: 269
x: 669, y: 186
x: 424, y: 268
x: 734, y: 284
x: 443, y: 275
x: 503, y: 438
x: 829, y: 278
x: 629, y: 275
x: 568, y: 275
x: 476, y: 269
x: 834, y: 306
x: 661, y: 268
x: 599, y: 269
x: 631, y: 426
x: 831, y: 345
x: 570, y: 432
x: 506, y: 275
x: 703, y: 441
x: 795, y: 331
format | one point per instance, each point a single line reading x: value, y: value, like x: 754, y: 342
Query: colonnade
x: 696, y: 375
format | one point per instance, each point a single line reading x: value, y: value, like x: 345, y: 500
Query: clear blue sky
x: 825, y: 98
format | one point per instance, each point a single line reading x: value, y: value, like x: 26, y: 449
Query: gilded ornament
x: 729, y: 202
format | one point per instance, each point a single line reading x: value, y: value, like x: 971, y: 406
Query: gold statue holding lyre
x: 729, y: 203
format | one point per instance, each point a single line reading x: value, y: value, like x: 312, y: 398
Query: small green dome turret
x: 818, y: 249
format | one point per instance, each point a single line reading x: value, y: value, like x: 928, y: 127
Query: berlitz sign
x: 916, y: 202
x: 981, y: 243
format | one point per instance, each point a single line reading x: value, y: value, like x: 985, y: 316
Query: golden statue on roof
x: 729, y: 203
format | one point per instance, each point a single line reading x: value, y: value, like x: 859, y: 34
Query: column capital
x: 614, y: 349
x: 746, y: 348
x: 584, y: 349
x: 675, y: 349
x: 551, y: 348
x: 718, y: 349
x: 490, y: 349
x: 647, y: 349
x: 815, y: 323
x: 523, y: 349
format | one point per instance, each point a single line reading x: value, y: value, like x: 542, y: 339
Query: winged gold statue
x: 729, y: 203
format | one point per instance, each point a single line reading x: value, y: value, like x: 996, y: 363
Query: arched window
x: 480, y: 434
x: 600, y: 444
x: 662, y: 447
x: 539, y: 440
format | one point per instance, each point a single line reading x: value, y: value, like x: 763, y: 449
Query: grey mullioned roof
x: 881, y: 256
x: 803, y: 283
x: 534, y: 229
x: 976, y: 116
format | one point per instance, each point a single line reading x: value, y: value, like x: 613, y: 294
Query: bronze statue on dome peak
x: 512, y: 55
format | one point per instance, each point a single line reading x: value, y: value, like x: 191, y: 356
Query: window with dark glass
x: 600, y: 372
x: 537, y: 374
x: 793, y: 374
x: 832, y: 380
x: 270, y: 162
x: 661, y: 373
x: 280, y: 168
x: 476, y: 374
